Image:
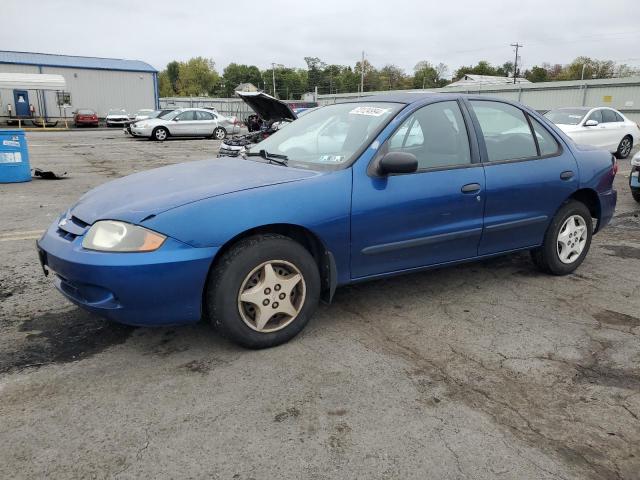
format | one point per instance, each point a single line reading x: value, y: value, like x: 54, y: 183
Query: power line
x: 515, y: 64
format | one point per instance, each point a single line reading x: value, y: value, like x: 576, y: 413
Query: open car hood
x: 269, y: 108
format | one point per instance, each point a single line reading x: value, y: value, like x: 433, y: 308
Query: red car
x: 85, y: 118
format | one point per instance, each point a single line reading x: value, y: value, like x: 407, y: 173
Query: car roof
x: 410, y: 97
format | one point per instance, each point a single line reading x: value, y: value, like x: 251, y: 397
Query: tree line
x: 199, y: 77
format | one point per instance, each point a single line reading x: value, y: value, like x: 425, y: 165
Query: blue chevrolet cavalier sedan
x: 354, y: 191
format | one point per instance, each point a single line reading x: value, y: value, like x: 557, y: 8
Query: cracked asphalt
x: 482, y: 371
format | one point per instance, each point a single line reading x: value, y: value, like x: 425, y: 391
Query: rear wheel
x: 636, y: 195
x: 219, y: 133
x: 160, y: 134
x: 624, y: 148
x: 263, y: 291
x: 567, y: 240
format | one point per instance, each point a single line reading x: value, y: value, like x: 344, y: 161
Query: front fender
x: 321, y: 204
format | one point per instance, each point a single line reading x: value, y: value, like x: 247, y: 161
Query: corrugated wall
x: 621, y: 93
x: 99, y: 90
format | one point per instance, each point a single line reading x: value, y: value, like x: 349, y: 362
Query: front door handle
x: 471, y: 188
x: 567, y: 175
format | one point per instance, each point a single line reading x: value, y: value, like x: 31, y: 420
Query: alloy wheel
x: 625, y: 147
x: 161, y: 134
x: 271, y: 296
x: 572, y: 239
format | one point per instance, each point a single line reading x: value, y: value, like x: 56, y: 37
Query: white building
x: 95, y: 83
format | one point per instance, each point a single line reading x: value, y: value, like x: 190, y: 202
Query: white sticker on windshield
x: 331, y: 158
x: 369, y: 111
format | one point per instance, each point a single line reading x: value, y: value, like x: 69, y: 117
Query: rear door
x: 206, y: 123
x: 528, y: 176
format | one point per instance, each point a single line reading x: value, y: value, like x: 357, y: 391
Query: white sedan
x: 601, y: 127
x: 185, y: 122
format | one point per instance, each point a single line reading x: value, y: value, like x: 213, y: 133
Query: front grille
x: 71, y: 228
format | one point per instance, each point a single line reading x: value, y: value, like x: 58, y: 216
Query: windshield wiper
x: 270, y: 157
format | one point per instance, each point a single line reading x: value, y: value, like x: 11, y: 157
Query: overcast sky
x: 398, y: 32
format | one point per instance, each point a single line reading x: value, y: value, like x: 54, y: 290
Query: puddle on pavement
x: 60, y: 338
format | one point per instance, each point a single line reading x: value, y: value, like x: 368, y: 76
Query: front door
x: 528, y: 176
x: 21, y: 99
x: 185, y: 124
x: 432, y: 216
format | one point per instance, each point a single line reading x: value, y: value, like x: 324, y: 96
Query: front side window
x: 185, y: 116
x: 329, y: 136
x: 505, y: 129
x: 596, y: 115
x: 436, y: 135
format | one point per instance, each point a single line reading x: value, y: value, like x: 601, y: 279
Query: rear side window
x: 609, y: 116
x: 505, y: 130
x: 618, y: 117
x: 204, y: 115
x: 548, y: 145
x: 436, y: 134
x: 596, y: 115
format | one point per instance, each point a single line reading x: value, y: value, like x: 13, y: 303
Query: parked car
x: 117, y: 117
x: 634, y: 177
x: 270, y: 115
x: 85, y: 118
x: 410, y: 182
x: 145, y: 116
x: 184, y: 122
x: 601, y: 127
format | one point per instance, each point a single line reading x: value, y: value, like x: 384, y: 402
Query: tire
x: 624, y: 148
x: 555, y: 256
x: 219, y: 133
x: 160, y: 134
x: 636, y: 195
x: 241, y: 270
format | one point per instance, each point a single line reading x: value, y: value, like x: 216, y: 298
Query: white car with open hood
x: 601, y: 127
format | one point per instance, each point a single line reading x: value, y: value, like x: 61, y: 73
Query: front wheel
x: 567, y: 240
x: 219, y: 133
x: 624, y: 148
x: 160, y: 134
x: 263, y: 291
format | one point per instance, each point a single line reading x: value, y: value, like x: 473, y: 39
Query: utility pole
x: 515, y: 63
x: 273, y: 72
x: 362, y: 75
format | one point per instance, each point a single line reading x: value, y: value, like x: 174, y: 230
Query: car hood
x: 143, y: 195
x: 269, y: 108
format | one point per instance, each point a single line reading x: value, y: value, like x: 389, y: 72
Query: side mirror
x: 176, y: 119
x: 591, y: 123
x: 397, y: 162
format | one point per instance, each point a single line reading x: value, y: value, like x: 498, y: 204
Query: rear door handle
x: 471, y: 188
x: 567, y: 175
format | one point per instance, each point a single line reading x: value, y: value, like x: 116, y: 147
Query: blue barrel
x: 14, y: 157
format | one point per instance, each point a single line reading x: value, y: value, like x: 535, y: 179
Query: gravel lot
x: 488, y: 370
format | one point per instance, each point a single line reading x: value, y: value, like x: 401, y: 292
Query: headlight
x: 635, y: 161
x: 142, y: 125
x: 113, y: 236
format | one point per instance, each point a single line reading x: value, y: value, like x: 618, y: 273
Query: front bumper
x: 140, y: 131
x: 164, y: 287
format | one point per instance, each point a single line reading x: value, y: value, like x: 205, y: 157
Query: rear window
x: 86, y: 112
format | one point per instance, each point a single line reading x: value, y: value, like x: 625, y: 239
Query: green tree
x: 197, y: 77
x: 392, y: 78
x: 173, y: 73
x: 164, y: 85
x: 537, y: 74
x: 315, y: 77
x: 235, y: 74
x: 371, y: 76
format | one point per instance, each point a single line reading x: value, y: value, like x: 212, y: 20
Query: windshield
x: 117, y: 112
x: 566, y: 116
x: 144, y: 112
x: 171, y: 115
x: 331, y: 135
x: 163, y: 113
